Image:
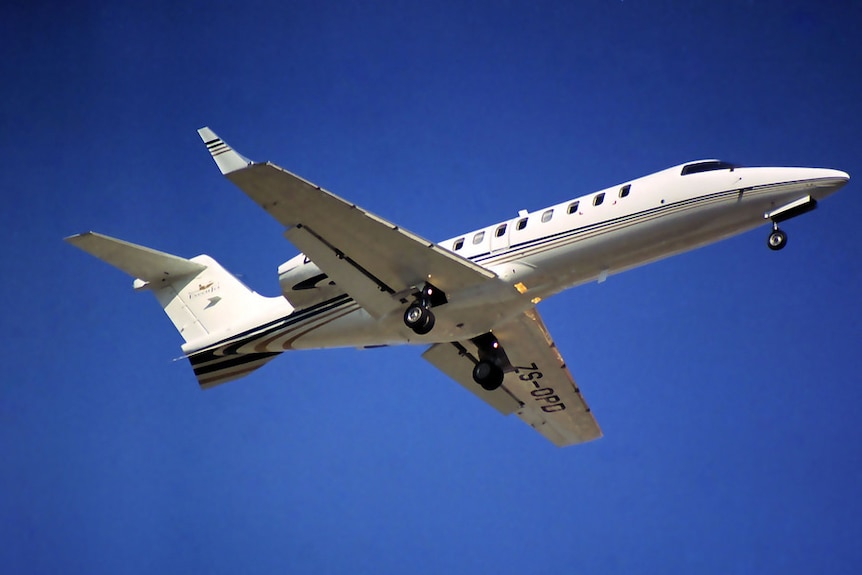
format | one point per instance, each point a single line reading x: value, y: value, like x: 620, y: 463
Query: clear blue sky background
x: 727, y: 380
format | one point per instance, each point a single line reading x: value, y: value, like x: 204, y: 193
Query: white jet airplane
x: 361, y: 281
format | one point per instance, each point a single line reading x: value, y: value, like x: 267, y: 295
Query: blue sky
x: 726, y: 380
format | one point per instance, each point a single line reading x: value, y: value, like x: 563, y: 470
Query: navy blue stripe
x: 234, y: 361
x: 237, y: 340
x: 649, y: 213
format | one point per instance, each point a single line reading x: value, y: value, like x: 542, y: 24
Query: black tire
x: 488, y: 375
x: 419, y: 318
x: 428, y: 325
x: 415, y: 316
x: 776, y: 240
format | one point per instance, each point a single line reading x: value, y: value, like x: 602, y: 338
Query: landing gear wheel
x: 415, y: 315
x: 428, y: 325
x: 419, y: 318
x: 488, y: 375
x: 777, y: 240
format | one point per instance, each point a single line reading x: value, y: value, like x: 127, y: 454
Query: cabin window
x: 597, y: 201
x: 500, y: 231
x: 573, y: 207
x: 707, y: 166
x: 624, y: 191
x: 459, y: 243
x: 546, y: 217
x: 521, y: 224
x: 477, y: 239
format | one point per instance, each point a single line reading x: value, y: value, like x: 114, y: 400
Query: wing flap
x: 374, y: 295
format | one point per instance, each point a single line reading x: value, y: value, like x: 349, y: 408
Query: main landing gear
x: 488, y: 375
x: 488, y: 371
x: 418, y: 315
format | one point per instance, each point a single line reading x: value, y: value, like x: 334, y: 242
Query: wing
x: 374, y: 261
x: 540, y: 389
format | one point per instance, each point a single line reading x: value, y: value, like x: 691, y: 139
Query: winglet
x: 226, y: 158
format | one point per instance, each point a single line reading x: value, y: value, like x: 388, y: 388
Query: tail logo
x: 204, y: 289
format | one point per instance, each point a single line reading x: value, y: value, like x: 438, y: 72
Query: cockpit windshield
x: 707, y: 166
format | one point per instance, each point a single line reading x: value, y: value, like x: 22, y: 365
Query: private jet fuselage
x: 538, y: 254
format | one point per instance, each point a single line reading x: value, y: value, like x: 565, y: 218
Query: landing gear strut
x: 777, y: 239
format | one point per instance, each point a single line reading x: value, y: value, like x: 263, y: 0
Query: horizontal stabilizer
x: 149, y: 265
x: 202, y: 299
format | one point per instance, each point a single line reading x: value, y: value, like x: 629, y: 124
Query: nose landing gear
x: 777, y: 239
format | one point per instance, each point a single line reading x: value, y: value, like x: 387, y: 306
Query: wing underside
x: 540, y: 389
x: 374, y: 261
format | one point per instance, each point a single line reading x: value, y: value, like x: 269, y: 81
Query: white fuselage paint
x: 663, y: 214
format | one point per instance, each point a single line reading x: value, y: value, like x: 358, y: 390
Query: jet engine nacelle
x: 304, y: 284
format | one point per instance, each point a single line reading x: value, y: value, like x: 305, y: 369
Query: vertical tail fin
x: 201, y: 298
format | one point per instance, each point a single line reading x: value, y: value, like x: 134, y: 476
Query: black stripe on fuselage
x: 236, y: 341
x: 233, y: 361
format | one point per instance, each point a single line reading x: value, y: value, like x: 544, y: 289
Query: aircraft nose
x: 843, y: 177
x: 827, y: 180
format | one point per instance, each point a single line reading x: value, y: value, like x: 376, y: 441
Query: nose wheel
x: 777, y: 239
